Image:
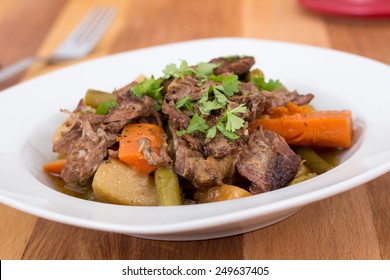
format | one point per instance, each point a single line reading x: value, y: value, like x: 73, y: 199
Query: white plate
x: 29, y: 113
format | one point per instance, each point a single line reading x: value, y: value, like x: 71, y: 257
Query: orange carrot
x: 290, y: 109
x: 317, y: 128
x: 55, y: 167
x: 129, y: 146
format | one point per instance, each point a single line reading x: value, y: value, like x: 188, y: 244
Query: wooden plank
x: 15, y: 231
x: 378, y: 192
x: 21, y: 40
x: 329, y: 229
x: 68, y: 242
x: 18, y: 41
x: 284, y: 21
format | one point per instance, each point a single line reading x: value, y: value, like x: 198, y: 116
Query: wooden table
x: 352, y: 225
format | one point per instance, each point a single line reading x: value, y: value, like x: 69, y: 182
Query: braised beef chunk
x: 160, y: 158
x: 129, y: 107
x: 177, y: 117
x: 200, y: 171
x: 267, y: 161
x: 281, y: 96
x: 220, y: 147
x: 68, y: 140
x: 73, y: 130
x: 85, y: 156
x: 179, y: 88
x: 234, y: 64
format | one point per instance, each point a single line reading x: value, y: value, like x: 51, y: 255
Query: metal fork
x: 77, y: 45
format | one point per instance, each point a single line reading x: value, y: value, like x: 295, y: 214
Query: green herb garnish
x: 149, y: 87
x: 187, y: 103
x: 229, y: 123
x: 103, y: 108
x: 271, y: 85
x: 201, y: 70
x: 197, y: 123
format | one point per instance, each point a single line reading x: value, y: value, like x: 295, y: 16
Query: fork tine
x: 97, y: 20
x: 98, y: 27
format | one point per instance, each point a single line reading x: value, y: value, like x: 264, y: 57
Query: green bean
x: 316, y: 163
x: 95, y: 97
x: 167, y: 185
x: 302, y: 178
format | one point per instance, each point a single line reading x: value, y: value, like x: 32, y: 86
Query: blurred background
x: 37, y: 27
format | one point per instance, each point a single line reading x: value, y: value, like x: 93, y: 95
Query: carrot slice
x: 55, y: 167
x: 130, y: 150
x: 317, y: 128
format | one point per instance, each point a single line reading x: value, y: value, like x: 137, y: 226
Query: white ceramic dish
x: 29, y: 113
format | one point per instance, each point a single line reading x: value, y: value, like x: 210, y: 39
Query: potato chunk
x: 219, y: 193
x: 115, y: 182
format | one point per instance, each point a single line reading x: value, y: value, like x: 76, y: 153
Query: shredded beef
x: 200, y: 171
x: 235, y: 64
x: 177, y: 117
x: 85, y: 156
x: 280, y: 97
x: 182, y: 87
x: 267, y: 161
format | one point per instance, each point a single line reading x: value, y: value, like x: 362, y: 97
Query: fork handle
x: 17, y: 67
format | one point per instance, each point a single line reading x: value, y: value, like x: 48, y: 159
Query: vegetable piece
x: 55, y: 166
x: 255, y: 73
x: 219, y: 193
x: 149, y: 87
x: 116, y: 182
x: 321, y: 128
x: 290, y: 109
x: 304, y: 173
x: 103, y: 108
x: 302, y: 178
x: 167, y: 185
x: 313, y: 160
x: 130, y: 150
x: 94, y: 97
x: 197, y: 123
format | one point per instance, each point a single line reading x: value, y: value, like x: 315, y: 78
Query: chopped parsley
x: 197, y: 123
x: 227, y: 87
x: 103, y: 108
x: 229, y: 123
x: 229, y: 83
x: 271, y: 85
x: 187, y: 103
x: 149, y: 87
x: 201, y: 70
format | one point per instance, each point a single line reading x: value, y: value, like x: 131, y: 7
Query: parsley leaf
x: 229, y: 123
x: 149, y: 87
x: 219, y: 101
x: 203, y: 70
x: 103, y: 108
x: 172, y: 70
x: 187, y: 103
x: 233, y: 122
x: 228, y: 134
x: 211, y: 132
x: 271, y: 85
x: 197, y: 123
x: 229, y: 83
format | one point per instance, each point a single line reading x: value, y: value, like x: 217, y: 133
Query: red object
x: 357, y: 8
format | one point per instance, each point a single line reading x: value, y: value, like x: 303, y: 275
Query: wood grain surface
x: 351, y: 225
